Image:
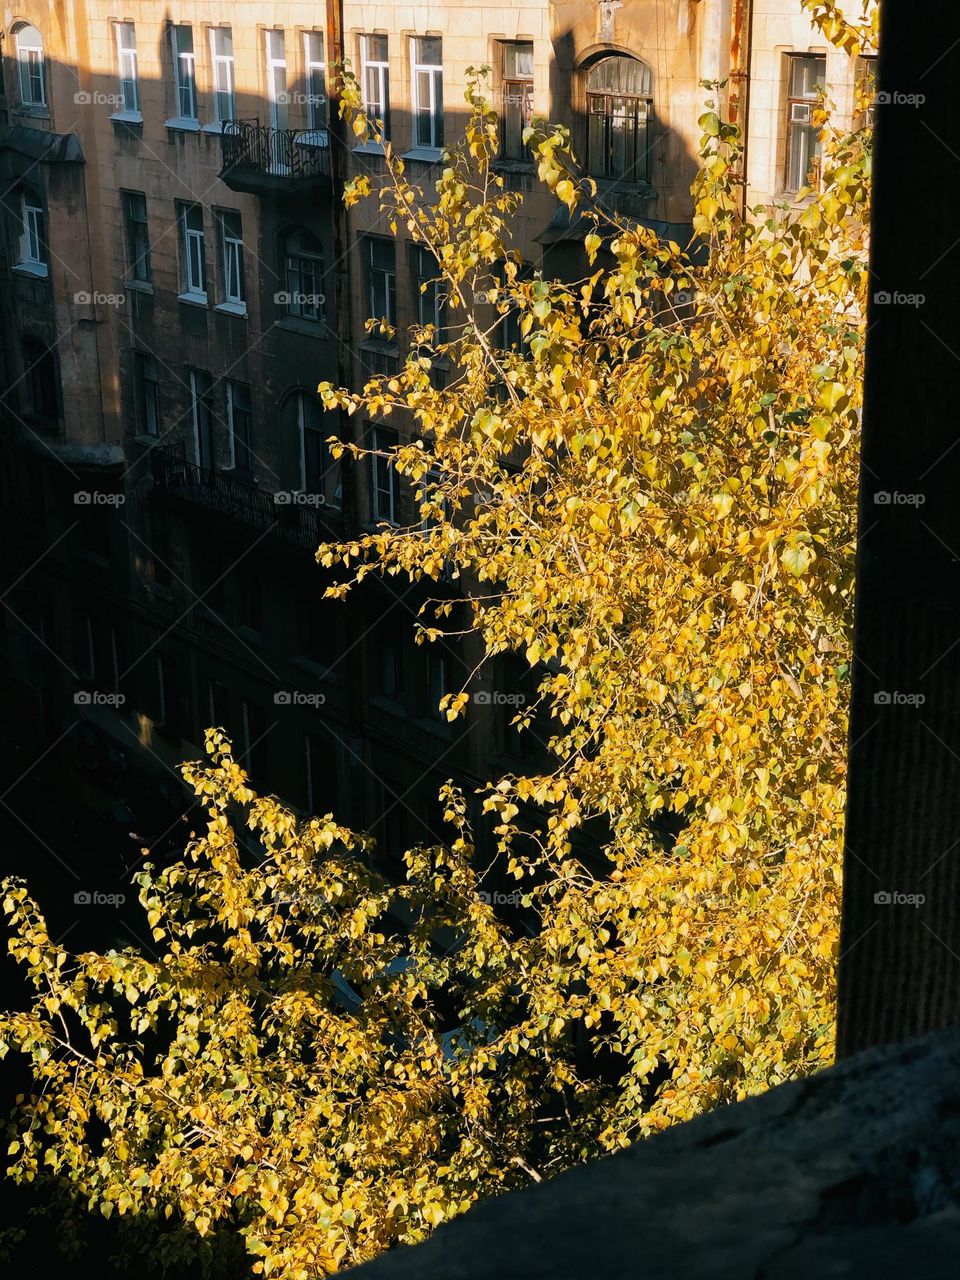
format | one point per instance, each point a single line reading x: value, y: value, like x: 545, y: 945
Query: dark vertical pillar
x: 900, y: 943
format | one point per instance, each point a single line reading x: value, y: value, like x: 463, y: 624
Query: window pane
x: 517, y: 61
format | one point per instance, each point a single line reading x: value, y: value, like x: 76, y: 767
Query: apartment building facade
x: 178, y: 274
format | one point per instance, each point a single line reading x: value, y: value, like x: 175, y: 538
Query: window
x: 137, y: 234
x: 315, y: 75
x: 33, y: 240
x: 276, y: 78
x: 866, y: 96
x: 254, y: 740
x: 303, y: 256
x: 30, y: 63
x: 193, y: 252
x: 430, y: 299
x: 427, y: 91
x: 319, y: 472
x: 516, y: 90
x: 148, y: 393
x: 231, y: 251
x: 384, y: 475
x: 201, y: 411
x: 317, y: 630
x: 321, y: 776
x: 218, y: 699
x: 240, y: 422
x: 40, y: 381
x: 221, y: 53
x: 389, y: 651
x: 805, y: 79
x: 127, y: 63
x: 619, y: 106
x: 381, y: 280
x: 436, y: 682
x: 375, y: 79
x: 184, y: 72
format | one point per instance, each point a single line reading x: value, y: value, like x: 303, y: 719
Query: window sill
x: 183, y: 125
x: 327, y: 674
x: 148, y: 442
x: 232, y: 309
x: 393, y: 708
x: 212, y: 126
x: 155, y: 589
x: 139, y: 286
x: 35, y: 270
x: 193, y: 299
x: 127, y: 117
x: 513, y: 164
x: 437, y: 728
x: 309, y: 328
x: 427, y: 155
x: 36, y: 111
x: 369, y: 149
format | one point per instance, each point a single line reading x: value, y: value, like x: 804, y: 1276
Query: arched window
x: 319, y: 471
x: 40, y: 382
x: 32, y: 250
x: 303, y: 269
x: 33, y: 80
x: 619, y: 111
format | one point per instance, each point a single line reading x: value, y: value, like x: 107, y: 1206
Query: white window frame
x: 31, y: 65
x: 127, y: 66
x: 295, y: 260
x: 224, y: 82
x: 382, y: 466
x: 145, y: 370
x: 193, y: 241
x: 379, y: 70
x: 389, y: 295
x: 275, y: 55
x: 184, y: 74
x: 314, y: 74
x: 231, y: 263
x: 433, y: 71
x: 197, y: 402
x: 303, y: 398
x: 33, y: 249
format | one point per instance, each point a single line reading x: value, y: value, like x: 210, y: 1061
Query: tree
x: 651, y: 497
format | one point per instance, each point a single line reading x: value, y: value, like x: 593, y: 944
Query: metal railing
x: 278, y: 153
x: 300, y: 519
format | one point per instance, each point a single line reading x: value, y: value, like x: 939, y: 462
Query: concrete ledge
x: 852, y: 1173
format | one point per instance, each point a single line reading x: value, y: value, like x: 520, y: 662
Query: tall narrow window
x: 619, y: 108
x: 231, y: 252
x: 806, y: 78
x: 436, y: 681
x: 137, y: 236
x: 224, y: 93
x: 40, y: 382
x: 304, y: 275
x: 184, y: 72
x: 319, y: 471
x: 375, y: 79
x: 240, y: 422
x: 193, y: 252
x: 254, y: 740
x: 315, y: 76
x: 381, y: 280
x: 427, y: 75
x: 516, y: 90
x: 31, y: 67
x: 148, y: 394
x: 384, y: 475
x: 275, y: 48
x: 33, y: 240
x: 430, y: 298
x: 127, y: 63
x: 201, y: 411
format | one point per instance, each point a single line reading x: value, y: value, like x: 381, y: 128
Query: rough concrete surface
x: 852, y: 1173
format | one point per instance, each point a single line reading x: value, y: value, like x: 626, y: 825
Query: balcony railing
x: 259, y: 158
x: 297, y: 518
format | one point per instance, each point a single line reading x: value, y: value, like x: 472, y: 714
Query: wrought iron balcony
x: 260, y: 159
x: 296, y: 518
